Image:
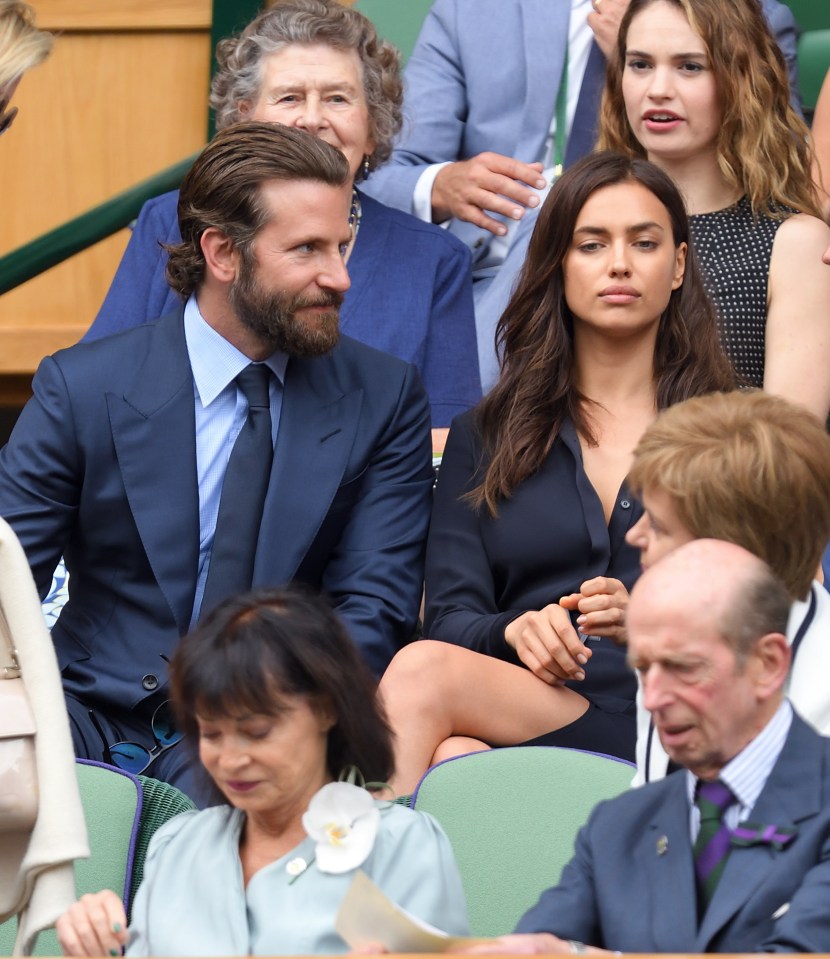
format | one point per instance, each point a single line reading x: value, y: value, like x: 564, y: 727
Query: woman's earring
x: 365, y: 166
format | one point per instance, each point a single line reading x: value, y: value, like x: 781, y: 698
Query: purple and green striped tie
x: 712, y: 847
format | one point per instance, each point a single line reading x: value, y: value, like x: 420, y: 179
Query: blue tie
x: 243, y: 494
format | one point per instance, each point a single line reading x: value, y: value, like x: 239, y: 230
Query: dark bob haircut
x: 256, y: 649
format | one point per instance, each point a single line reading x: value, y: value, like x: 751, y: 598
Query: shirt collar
x: 214, y: 360
x: 747, y: 773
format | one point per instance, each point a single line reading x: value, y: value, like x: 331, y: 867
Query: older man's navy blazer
x: 102, y: 468
x: 631, y: 884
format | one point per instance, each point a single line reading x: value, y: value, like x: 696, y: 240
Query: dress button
x: 150, y: 682
x: 626, y: 504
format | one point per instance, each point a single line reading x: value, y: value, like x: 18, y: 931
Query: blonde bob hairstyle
x: 22, y: 45
x: 748, y: 468
x: 763, y: 146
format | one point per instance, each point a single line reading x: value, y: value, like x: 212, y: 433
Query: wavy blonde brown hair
x: 763, y: 146
x: 748, y: 468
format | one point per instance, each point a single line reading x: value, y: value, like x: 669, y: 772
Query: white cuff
x: 422, y: 195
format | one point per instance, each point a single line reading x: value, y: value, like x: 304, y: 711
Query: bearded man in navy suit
x: 118, y: 461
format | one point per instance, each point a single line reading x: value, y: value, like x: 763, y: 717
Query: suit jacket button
x: 150, y: 682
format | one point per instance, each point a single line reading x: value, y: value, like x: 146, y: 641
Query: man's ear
x: 770, y: 662
x: 221, y: 257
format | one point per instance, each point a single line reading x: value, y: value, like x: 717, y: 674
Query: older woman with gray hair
x: 319, y: 65
x: 22, y: 46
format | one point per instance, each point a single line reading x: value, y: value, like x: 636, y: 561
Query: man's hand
x: 525, y: 944
x: 546, y: 642
x: 489, y: 181
x: 602, y: 603
x: 604, y: 20
x: 94, y: 926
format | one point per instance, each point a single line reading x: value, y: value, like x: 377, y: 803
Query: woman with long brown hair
x: 527, y: 561
x: 700, y: 88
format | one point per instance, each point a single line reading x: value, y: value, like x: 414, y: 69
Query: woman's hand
x: 95, y: 925
x: 601, y: 603
x: 546, y: 642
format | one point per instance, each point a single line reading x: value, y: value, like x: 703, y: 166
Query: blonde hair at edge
x: 22, y: 45
x: 748, y: 468
x: 764, y: 146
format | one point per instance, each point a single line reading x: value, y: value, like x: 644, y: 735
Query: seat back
x: 161, y: 802
x: 112, y: 804
x: 811, y: 14
x: 813, y: 63
x: 398, y: 21
x: 512, y: 815
x: 122, y: 812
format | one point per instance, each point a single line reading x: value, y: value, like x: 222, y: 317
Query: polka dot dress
x: 734, y: 251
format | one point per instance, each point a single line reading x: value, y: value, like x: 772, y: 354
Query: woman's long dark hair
x: 536, y: 392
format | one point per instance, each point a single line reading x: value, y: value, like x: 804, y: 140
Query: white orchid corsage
x: 343, y: 820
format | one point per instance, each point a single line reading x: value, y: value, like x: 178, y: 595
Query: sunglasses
x: 133, y: 757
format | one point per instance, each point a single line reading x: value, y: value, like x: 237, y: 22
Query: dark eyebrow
x: 699, y: 55
x: 602, y: 231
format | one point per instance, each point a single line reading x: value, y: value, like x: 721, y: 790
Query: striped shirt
x: 746, y: 774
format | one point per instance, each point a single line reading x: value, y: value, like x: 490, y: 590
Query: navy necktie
x: 712, y: 847
x: 243, y: 494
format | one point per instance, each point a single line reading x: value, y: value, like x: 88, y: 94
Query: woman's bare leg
x: 434, y: 690
x: 457, y: 746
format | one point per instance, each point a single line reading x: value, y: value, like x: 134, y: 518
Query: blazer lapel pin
x: 662, y: 845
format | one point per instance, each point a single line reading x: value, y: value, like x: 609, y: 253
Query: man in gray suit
x: 661, y: 868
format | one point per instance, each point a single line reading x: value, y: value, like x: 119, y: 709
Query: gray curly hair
x: 239, y: 77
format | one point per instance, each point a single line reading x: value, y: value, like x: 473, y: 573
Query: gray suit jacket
x: 620, y: 892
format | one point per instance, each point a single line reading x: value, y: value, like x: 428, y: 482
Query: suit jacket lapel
x: 154, y: 433
x: 542, y: 65
x: 318, y: 425
x: 665, y: 856
x: 779, y: 803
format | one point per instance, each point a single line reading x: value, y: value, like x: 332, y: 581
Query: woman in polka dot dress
x: 700, y: 88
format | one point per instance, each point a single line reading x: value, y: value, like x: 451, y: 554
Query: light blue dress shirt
x: 221, y: 411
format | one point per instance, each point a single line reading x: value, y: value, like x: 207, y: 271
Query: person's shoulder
x: 112, y: 361
x: 411, y: 229
x: 403, y: 824
x: 363, y: 365
x: 203, y: 824
x: 163, y: 205
x: 123, y: 342
x: 202, y: 828
x: 803, y: 228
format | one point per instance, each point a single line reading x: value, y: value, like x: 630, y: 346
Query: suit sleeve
x: 450, y: 372
x: 375, y: 572
x: 139, y: 290
x: 570, y: 909
x: 460, y: 590
x: 40, y: 474
x: 435, y: 108
x: 783, y: 25
x: 805, y: 925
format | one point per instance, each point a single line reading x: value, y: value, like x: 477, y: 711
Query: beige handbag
x: 18, y: 774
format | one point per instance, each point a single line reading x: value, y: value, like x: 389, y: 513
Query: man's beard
x: 272, y: 317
